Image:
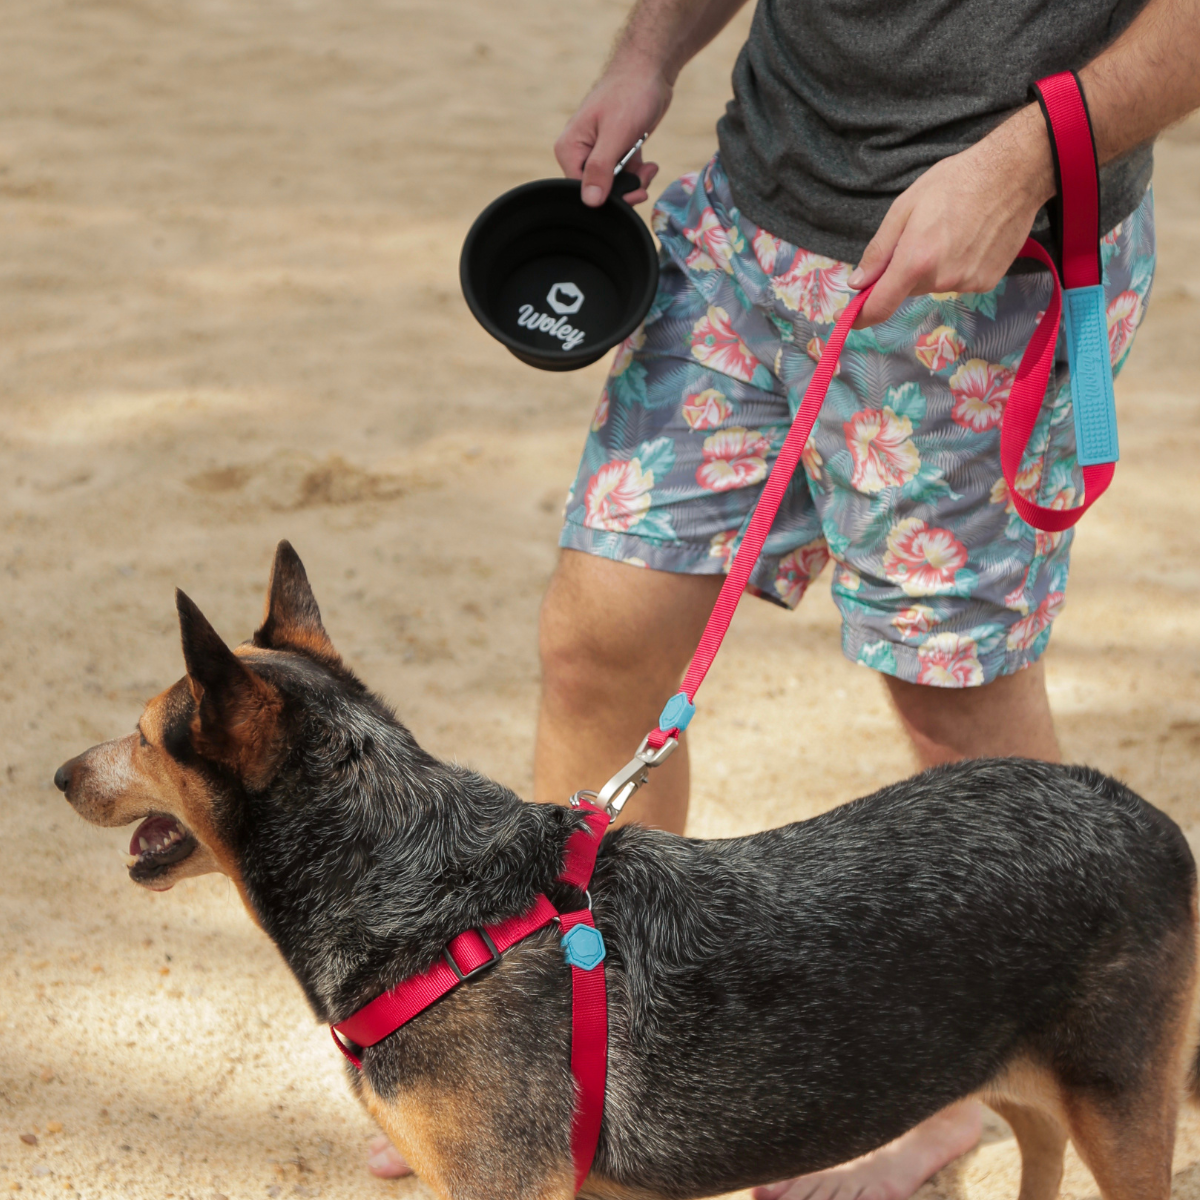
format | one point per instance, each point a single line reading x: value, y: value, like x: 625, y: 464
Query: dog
x: 1013, y: 930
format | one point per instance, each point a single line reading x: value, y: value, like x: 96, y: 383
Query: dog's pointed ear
x: 237, y: 721
x: 292, y: 620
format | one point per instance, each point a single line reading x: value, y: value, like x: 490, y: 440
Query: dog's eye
x: 142, y: 738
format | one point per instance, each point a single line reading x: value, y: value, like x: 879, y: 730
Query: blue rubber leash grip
x: 1085, y: 320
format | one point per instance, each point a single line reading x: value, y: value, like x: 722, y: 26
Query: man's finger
x: 645, y: 172
x: 891, y: 289
x: 573, y: 147
x: 611, y: 146
x: 882, y: 246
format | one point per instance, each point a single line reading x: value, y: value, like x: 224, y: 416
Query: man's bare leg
x: 1010, y: 716
x: 615, y: 641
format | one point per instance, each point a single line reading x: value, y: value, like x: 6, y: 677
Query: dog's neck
x: 363, y: 864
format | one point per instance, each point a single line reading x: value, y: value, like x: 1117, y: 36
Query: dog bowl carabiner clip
x: 614, y: 795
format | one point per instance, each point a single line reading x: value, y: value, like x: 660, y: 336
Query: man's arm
x: 959, y: 227
x: 634, y: 91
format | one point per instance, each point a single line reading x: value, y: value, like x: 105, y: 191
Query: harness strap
x: 468, y: 953
x: 589, y: 1053
x: 475, y: 950
x: 1066, y: 112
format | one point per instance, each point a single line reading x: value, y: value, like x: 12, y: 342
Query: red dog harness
x: 477, y: 949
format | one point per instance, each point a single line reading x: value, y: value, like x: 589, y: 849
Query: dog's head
x: 215, y: 737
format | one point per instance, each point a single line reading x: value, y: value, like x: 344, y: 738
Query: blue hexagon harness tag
x: 583, y: 947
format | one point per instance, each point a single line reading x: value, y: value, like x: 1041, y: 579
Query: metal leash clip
x: 632, y: 151
x: 616, y: 792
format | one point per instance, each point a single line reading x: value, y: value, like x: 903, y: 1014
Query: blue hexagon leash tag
x: 583, y: 947
x: 1086, y: 319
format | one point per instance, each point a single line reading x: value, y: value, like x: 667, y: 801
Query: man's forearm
x: 1147, y: 79
x: 668, y: 33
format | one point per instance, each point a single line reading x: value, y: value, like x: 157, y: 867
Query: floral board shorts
x: 937, y: 579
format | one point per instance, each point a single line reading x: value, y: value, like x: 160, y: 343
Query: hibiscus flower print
x: 914, y: 621
x: 766, y: 250
x: 949, y: 660
x: 1027, y: 481
x: 846, y: 579
x: 880, y: 443
x: 626, y: 350
x: 1123, y: 315
x: 688, y: 181
x: 1045, y: 542
x: 722, y: 547
x: 716, y: 345
x: 811, y: 458
x: 1025, y: 632
x: 617, y: 496
x: 923, y: 559
x: 798, y: 569
x: 706, y: 409
x: 1016, y: 599
x: 815, y: 349
x: 733, y: 458
x: 600, y: 416
x: 815, y: 286
x: 980, y: 389
x: 939, y: 347
x: 713, y: 251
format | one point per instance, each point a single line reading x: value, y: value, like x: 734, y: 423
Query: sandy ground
x: 229, y: 313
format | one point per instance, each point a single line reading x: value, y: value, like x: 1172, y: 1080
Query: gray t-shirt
x: 840, y: 104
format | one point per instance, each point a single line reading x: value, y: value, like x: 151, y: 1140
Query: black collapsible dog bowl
x: 555, y: 281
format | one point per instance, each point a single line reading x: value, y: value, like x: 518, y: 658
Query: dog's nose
x: 62, y: 777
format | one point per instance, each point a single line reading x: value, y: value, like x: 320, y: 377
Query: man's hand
x: 629, y: 100
x: 659, y: 37
x: 962, y: 223
x: 959, y: 227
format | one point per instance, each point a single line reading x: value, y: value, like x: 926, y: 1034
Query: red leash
x: 476, y: 950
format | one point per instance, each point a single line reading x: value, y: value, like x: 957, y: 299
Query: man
x: 886, y: 144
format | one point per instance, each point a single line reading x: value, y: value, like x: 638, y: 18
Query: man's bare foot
x: 384, y: 1159
x: 894, y: 1171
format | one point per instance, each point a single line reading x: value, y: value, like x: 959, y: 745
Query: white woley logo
x: 572, y: 303
x: 566, y: 299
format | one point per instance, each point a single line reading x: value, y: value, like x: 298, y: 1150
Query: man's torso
x: 840, y: 104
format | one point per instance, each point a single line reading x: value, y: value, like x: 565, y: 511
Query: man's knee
x: 582, y: 633
x: 603, y: 620
x: 1009, y: 716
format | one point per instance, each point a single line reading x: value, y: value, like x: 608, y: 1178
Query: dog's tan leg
x: 1042, y: 1142
x: 1127, y: 1144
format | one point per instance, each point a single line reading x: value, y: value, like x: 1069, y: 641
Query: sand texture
x: 229, y: 313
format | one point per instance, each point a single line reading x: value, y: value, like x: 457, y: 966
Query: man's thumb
x: 870, y: 266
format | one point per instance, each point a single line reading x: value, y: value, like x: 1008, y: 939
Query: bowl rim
x: 563, y: 360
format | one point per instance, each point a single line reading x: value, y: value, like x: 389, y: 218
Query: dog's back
x: 789, y: 1000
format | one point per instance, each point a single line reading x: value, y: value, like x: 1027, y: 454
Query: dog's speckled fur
x: 778, y: 1003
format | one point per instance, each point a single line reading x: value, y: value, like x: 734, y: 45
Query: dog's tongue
x: 154, y: 833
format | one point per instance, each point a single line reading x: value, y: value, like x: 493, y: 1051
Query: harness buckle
x: 614, y: 795
x: 491, y: 962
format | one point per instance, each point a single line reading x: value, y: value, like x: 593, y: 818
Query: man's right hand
x: 629, y: 100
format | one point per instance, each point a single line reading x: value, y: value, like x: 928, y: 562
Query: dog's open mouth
x: 158, y: 843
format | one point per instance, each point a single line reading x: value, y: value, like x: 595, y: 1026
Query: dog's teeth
x: 143, y: 844
x: 131, y: 860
